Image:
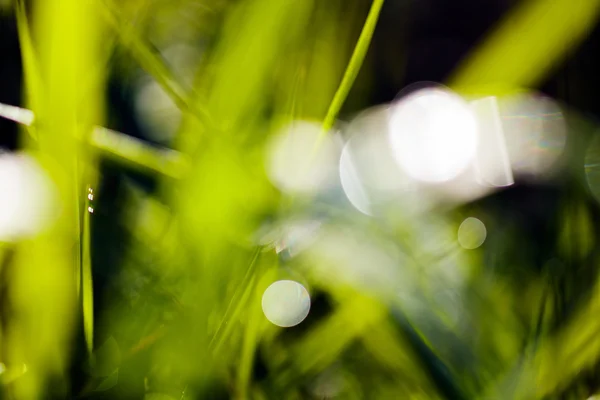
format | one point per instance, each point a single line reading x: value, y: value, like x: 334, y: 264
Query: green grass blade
x: 235, y: 305
x: 538, y: 33
x: 354, y: 65
x: 138, y: 154
x: 152, y: 63
x: 86, y: 278
x: 31, y: 72
x: 30, y: 63
x: 145, y: 56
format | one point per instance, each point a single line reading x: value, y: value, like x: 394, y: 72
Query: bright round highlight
x: 27, y: 197
x: 433, y: 134
x: 369, y: 174
x: 286, y: 303
x: 471, y: 233
x: 301, y: 159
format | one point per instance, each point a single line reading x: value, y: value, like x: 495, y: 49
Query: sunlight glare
x: 433, y: 133
x: 301, y: 159
x: 27, y: 197
x: 369, y: 174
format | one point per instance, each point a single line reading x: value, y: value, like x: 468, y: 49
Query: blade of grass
x: 31, y: 71
x: 117, y: 145
x: 86, y: 278
x: 323, y: 344
x: 235, y: 305
x: 137, y: 153
x: 354, y: 64
x: 34, y: 90
x: 243, y: 60
x: 148, y: 59
x: 527, y: 43
x: 61, y: 51
x: 152, y: 63
x: 575, y: 347
x: 17, y: 114
x: 249, y: 343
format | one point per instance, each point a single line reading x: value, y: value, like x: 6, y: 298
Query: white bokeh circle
x: 286, y: 303
x: 433, y: 134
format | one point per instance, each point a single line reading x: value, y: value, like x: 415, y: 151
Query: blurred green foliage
x: 181, y: 315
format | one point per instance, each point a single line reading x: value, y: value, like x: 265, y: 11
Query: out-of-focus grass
x: 185, y: 316
x: 526, y: 45
x: 59, y: 52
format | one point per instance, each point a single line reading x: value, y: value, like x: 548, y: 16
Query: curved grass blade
x: 354, y: 65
